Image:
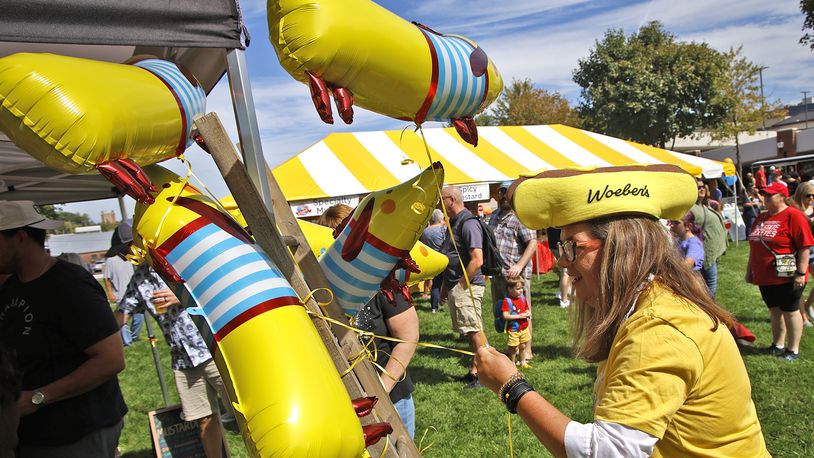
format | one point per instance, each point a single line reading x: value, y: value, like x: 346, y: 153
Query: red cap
x: 776, y: 188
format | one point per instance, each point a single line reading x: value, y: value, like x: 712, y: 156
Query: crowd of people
x: 622, y: 272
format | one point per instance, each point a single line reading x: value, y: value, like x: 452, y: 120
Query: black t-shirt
x: 372, y: 318
x: 49, y: 322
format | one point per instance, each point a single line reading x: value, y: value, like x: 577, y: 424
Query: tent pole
x: 122, y: 208
x: 156, y: 360
x: 247, y: 130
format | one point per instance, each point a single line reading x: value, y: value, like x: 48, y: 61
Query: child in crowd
x: 689, y: 240
x: 517, y: 315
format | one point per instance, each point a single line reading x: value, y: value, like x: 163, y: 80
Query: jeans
x: 406, y: 409
x: 711, y: 277
x: 435, y: 291
x: 130, y: 331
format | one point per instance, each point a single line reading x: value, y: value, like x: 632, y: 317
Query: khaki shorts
x: 466, y: 317
x: 198, y: 389
x: 519, y: 337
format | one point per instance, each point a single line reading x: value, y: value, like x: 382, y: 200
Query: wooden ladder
x: 305, y: 275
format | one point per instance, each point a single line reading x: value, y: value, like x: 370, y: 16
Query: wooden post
x: 363, y: 380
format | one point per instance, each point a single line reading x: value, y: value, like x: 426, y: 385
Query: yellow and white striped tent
x: 346, y: 164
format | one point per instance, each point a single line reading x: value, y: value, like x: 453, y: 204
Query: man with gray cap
x: 117, y: 274
x: 56, y: 319
x: 517, y: 244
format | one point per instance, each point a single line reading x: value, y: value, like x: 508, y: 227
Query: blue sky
x: 537, y: 39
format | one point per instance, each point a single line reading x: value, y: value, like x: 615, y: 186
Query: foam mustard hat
x: 557, y: 198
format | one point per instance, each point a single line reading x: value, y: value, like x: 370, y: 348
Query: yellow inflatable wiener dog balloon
x: 364, y: 54
x: 287, y: 394
x: 81, y: 115
x: 430, y: 262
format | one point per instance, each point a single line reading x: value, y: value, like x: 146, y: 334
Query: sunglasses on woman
x: 568, y: 249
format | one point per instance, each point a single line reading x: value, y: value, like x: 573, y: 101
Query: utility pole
x: 805, y: 102
x: 762, y: 99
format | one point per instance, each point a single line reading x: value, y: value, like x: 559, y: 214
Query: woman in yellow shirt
x: 670, y: 380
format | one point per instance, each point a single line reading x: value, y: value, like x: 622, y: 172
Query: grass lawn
x: 466, y: 423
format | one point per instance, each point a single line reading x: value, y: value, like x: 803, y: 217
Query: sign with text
x: 174, y: 437
x: 475, y: 192
x: 317, y: 207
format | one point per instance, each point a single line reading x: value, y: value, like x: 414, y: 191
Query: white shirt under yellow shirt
x: 669, y: 376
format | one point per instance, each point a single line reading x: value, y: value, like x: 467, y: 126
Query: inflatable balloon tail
x: 80, y: 115
x: 359, y: 52
x: 287, y: 394
x: 381, y: 231
x: 430, y: 262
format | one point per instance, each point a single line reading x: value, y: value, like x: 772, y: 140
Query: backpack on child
x: 492, y: 261
x: 500, y: 323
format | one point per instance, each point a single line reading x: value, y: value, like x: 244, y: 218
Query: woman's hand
x: 799, y: 281
x: 494, y: 368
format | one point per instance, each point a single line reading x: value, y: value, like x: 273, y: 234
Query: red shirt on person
x: 785, y: 233
x: 516, y: 307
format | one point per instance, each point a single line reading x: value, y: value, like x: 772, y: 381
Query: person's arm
x: 802, y: 265
x: 544, y: 420
x: 517, y: 269
x: 121, y: 317
x: 111, y: 296
x: 105, y: 360
x: 403, y: 326
x: 510, y: 317
x: 475, y: 262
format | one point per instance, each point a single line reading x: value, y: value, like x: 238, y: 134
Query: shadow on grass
x: 431, y: 375
x: 552, y: 351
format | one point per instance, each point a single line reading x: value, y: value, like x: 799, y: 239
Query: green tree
x: 522, y: 104
x: 807, y: 7
x: 648, y: 87
x: 72, y: 221
x: 48, y: 211
x: 740, y: 94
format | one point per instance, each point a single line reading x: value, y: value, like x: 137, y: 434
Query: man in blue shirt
x: 465, y: 309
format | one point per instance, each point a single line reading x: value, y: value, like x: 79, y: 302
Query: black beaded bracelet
x: 504, y: 390
x: 515, y: 393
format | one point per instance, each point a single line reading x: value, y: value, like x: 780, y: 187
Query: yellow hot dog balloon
x: 361, y: 53
x: 430, y: 262
x: 287, y: 394
x: 82, y: 116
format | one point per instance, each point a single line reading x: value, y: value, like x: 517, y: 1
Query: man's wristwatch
x: 799, y: 274
x: 38, y: 398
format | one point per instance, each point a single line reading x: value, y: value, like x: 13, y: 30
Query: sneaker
x: 227, y: 417
x: 525, y: 365
x: 434, y: 310
x: 808, y: 324
x: 775, y: 350
x: 473, y: 384
x: 564, y: 304
x: 789, y: 355
x: 468, y: 378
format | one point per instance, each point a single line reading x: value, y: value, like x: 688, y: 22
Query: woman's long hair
x: 635, y: 247
x: 803, y: 189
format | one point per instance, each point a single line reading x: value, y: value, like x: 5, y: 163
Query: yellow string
x: 421, y: 448
x: 449, y: 228
x: 392, y: 339
x: 386, y: 444
x: 511, y: 449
